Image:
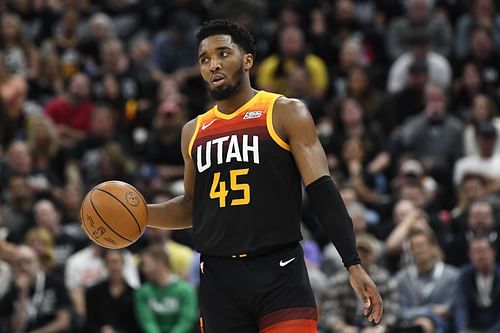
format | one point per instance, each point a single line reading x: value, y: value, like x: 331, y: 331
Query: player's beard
x: 227, y: 91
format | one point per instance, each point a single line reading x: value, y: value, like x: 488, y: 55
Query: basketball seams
x: 114, y: 197
x: 100, y: 217
x: 87, y: 230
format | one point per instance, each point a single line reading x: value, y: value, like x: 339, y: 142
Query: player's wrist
x: 355, y: 267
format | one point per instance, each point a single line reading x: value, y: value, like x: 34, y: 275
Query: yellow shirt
x: 181, y: 258
x: 266, y: 79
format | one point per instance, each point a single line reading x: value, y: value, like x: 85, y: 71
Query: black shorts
x: 247, y: 295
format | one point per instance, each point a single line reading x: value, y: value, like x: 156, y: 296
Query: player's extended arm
x: 294, y: 123
x: 177, y: 212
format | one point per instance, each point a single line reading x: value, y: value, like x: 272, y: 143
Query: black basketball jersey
x: 248, y: 194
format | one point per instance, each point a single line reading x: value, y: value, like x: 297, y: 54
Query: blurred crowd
x: 405, y: 97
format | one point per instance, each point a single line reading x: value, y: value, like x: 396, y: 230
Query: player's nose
x: 214, y: 65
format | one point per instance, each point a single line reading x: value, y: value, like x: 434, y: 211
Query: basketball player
x: 244, y: 161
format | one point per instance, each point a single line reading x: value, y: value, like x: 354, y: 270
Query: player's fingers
x: 367, y: 303
x: 377, y: 309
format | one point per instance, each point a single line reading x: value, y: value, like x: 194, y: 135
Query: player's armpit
x: 293, y: 122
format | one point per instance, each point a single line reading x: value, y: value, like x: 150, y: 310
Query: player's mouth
x: 217, y: 80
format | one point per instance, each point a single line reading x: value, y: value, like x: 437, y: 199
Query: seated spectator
x: 483, y: 53
x: 477, y: 304
x: 47, y: 213
x: 163, y: 147
x: 407, y: 102
x: 486, y: 162
x: 483, y: 13
x: 273, y: 70
x: 36, y: 301
x: 164, y: 288
x: 41, y: 240
x: 483, y: 110
x: 341, y: 308
x: 109, y: 304
x: 72, y: 112
x: 467, y: 85
x: 480, y: 222
x: 17, y: 208
x: 20, y: 56
x: 49, y: 159
x: 428, y: 287
x: 472, y: 188
x: 419, y: 136
x: 86, y: 268
x: 420, y: 16
x: 440, y: 72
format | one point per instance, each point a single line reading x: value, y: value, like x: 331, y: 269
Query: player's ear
x: 248, y: 61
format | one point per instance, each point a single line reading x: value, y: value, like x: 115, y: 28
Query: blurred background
x: 405, y: 97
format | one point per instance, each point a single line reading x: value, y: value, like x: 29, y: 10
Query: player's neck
x: 234, y: 102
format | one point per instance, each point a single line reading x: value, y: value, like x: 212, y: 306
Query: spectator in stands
x: 49, y: 160
x: 163, y: 146
x: 486, y: 162
x: 47, y: 213
x: 174, y: 49
x: 419, y: 136
x: 13, y: 93
x: 17, y: 209
x: 483, y: 110
x: 273, y: 70
x: 350, y: 122
x: 86, y: 268
x: 86, y: 153
x: 20, y: 56
x: 41, y: 240
x: 409, y: 101
x: 100, y: 29
x: 420, y: 17
x: 482, y: 14
x: 36, y: 301
x: 427, y: 288
x: 49, y: 83
x: 467, y: 85
x: 341, y: 309
x: 439, y: 69
x: 480, y: 222
x: 72, y: 112
x: 109, y: 304
x: 360, y: 87
x: 477, y: 304
x: 485, y: 56
x: 164, y: 303
x: 66, y: 41
x: 472, y: 187
x: 350, y: 54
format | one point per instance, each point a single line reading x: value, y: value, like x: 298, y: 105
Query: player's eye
x: 203, y: 60
x: 224, y: 54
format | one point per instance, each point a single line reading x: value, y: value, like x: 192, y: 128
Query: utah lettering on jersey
x: 242, y: 148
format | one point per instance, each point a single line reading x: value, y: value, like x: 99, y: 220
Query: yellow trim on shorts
x: 270, y: 128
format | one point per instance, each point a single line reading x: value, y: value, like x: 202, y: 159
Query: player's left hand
x: 367, y: 292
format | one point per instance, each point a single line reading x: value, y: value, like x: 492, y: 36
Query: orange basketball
x: 114, y: 214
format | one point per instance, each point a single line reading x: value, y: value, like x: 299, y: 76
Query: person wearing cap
x: 486, y: 162
x: 341, y: 309
x: 439, y: 68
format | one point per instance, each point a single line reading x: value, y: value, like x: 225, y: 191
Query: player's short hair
x: 239, y: 34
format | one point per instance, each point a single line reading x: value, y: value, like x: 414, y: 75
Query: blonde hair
x: 47, y: 259
x: 33, y: 121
